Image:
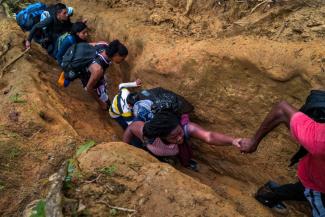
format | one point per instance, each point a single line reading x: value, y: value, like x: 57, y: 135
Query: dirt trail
x: 41, y: 124
x: 231, y: 76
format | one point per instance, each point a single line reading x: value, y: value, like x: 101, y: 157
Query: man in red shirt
x: 311, y: 135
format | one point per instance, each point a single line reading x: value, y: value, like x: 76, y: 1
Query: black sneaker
x: 265, y: 194
x: 280, y: 208
x: 193, y: 165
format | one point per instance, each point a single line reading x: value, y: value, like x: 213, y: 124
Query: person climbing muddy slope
x: 143, y: 104
x: 55, y: 26
x: 120, y: 109
x: 168, y: 135
x: 88, y: 62
x: 78, y: 34
x: 311, y: 135
x: 50, y: 11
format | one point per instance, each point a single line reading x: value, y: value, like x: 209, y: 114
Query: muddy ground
x: 230, y: 60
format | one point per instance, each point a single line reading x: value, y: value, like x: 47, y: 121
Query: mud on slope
x: 280, y: 20
x: 37, y: 128
x: 232, y: 82
x: 38, y: 134
x: 142, y: 183
x: 41, y: 125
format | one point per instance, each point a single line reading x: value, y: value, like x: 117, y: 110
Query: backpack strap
x: 186, y: 132
x: 70, y: 38
x: 185, y: 120
x: 62, y: 38
x: 102, y: 61
x: 119, y: 98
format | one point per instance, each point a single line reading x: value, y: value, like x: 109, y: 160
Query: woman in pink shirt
x: 311, y: 135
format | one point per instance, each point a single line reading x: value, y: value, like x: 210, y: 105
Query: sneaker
x: 193, y: 165
x: 280, y: 208
x: 266, y: 192
x: 272, y: 185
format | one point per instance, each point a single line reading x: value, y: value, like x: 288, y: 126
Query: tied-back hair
x: 116, y: 47
x: 162, y: 124
x: 78, y: 27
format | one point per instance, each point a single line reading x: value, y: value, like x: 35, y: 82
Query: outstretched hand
x: 138, y: 82
x: 27, y: 44
x: 247, y: 145
x: 236, y: 142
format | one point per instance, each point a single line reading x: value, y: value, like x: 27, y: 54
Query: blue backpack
x: 29, y: 16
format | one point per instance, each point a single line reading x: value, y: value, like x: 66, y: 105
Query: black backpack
x: 166, y: 100
x: 76, y: 59
x: 314, y: 108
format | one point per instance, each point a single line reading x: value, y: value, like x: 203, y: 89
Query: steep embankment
x: 232, y: 81
x: 40, y: 124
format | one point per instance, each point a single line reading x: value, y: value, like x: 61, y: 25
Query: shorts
x: 102, y: 93
x: 101, y: 89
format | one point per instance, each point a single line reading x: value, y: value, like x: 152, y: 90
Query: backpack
x: 314, y: 108
x: 142, y: 110
x: 166, y: 100
x: 29, y: 16
x: 62, y: 38
x: 76, y: 59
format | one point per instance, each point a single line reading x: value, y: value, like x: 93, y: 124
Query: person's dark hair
x: 132, y: 98
x: 78, y: 27
x: 116, y: 47
x: 162, y: 124
x: 59, y: 7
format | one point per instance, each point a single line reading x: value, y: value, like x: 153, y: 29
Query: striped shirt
x: 120, y: 107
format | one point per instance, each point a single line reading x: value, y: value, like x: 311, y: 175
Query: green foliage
x: 2, y: 186
x: 39, y: 209
x: 85, y: 147
x: 113, y: 212
x: 16, y: 98
x: 14, y: 152
x: 70, y: 171
x: 72, y: 175
x: 109, y: 171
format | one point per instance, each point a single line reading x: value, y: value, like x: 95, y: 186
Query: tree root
x: 12, y: 62
x: 54, y: 198
x: 6, y: 9
x: 116, y: 207
x: 260, y: 4
x: 188, y: 7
